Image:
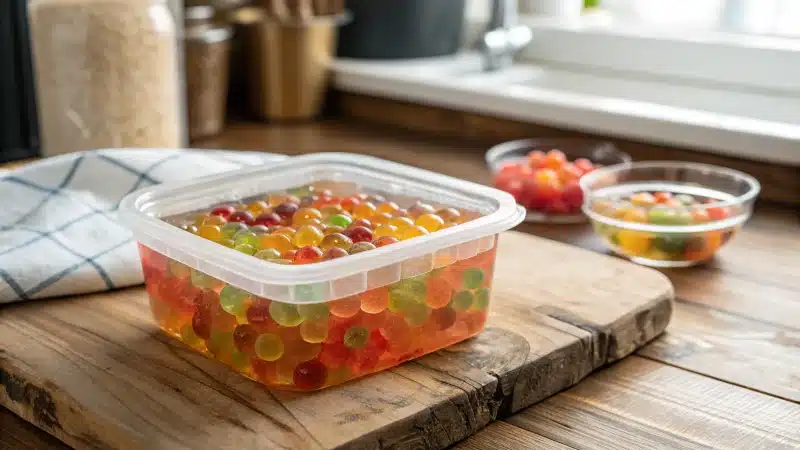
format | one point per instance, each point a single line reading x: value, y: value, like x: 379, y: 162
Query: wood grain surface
x: 732, y: 337
x: 95, y: 371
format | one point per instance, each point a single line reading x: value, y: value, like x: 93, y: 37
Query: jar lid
x: 200, y: 25
x: 209, y: 35
x: 198, y: 14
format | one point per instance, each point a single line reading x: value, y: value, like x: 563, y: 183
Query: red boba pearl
x: 307, y: 255
x: 242, y: 216
x: 224, y: 211
x: 267, y: 219
x: 358, y: 234
x: 310, y: 375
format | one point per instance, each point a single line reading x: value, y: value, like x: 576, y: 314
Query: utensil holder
x: 290, y: 71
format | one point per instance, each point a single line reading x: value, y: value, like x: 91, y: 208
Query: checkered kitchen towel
x: 58, y: 229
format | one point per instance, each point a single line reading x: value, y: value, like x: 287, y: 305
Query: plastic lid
x: 336, y: 278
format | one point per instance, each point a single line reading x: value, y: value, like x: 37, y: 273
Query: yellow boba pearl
x: 200, y: 219
x: 638, y: 215
x: 336, y: 240
x: 330, y: 210
x: 634, y: 243
x: 306, y: 216
x: 380, y: 219
x: 215, y: 220
x: 364, y: 210
x: 279, y: 242
x: 330, y: 229
x: 258, y: 207
x: 210, y: 232
x: 385, y: 230
x: 387, y: 207
x: 277, y: 199
x: 402, y: 223
x: 449, y: 214
x: 307, y: 235
x: 430, y: 222
x: 414, y: 231
x: 286, y: 231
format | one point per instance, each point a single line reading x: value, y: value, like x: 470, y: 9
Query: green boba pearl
x: 247, y: 249
x: 230, y: 229
x: 416, y: 314
x: 246, y: 237
x: 670, y: 243
x: 232, y: 300
x: 400, y: 301
x: 203, y: 280
x: 313, y: 311
x: 340, y: 220
x: 660, y: 215
x: 228, y: 243
x: 239, y: 360
x: 462, y: 300
x: 221, y: 342
x: 415, y: 286
x: 285, y: 314
x: 481, y: 299
x: 268, y: 253
x: 259, y: 229
x: 356, y: 337
x: 359, y: 247
x: 189, y: 337
x: 473, y: 278
x: 269, y: 347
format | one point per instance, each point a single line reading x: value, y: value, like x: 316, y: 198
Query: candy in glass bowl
x: 543, y: 174
x: 668, y: 214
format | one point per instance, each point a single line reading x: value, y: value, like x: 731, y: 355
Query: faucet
x: 503, y: 37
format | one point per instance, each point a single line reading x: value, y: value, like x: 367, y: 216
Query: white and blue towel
x: 59, y: 233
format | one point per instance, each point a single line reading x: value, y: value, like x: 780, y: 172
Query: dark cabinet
x: 19, y: 136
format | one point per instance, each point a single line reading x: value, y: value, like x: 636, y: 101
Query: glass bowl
x: 600, y: 153
x: 681, y: 215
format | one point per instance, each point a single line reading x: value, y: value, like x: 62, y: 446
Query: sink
x: 744, y: 122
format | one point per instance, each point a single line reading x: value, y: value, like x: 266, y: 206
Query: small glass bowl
x: 598, y: 152
x: 679, y: 235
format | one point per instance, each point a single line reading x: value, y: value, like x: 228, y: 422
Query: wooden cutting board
x: 96, y: 372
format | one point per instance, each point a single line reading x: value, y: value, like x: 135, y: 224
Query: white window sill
x: 596, y: 79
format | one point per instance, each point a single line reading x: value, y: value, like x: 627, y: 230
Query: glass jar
x: 108, y: 74
x: 208, y: 48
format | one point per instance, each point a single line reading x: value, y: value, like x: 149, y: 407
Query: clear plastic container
x: 305, y: 327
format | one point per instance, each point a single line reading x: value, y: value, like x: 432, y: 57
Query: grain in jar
x: 107, y: 74
x: 208, y: 48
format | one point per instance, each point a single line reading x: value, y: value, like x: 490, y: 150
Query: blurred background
x: 85, y: 74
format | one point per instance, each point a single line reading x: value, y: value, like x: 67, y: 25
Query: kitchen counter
x: 726, y: 374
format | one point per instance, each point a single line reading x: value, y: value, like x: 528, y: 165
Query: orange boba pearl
x: 345, y: 307
x: 439, y: 292
x: 279, y: 242
x: 375, y: 300
x: 364, y: 210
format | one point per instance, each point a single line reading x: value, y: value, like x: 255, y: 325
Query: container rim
x: 228, y: 264
x: 754, y: 187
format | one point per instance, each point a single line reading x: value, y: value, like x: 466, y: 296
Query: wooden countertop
x: 726, y: 374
